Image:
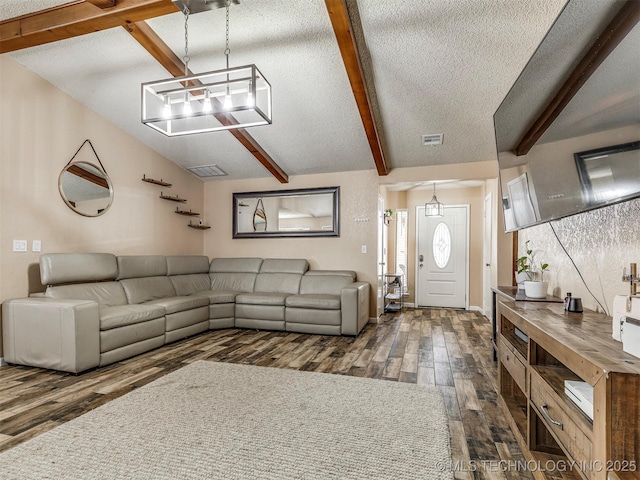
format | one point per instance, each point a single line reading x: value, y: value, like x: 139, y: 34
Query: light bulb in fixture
x: 166, y: 112
x: 206, y: 105
x: 187, y: 104
x: 250, y: 100
x: 228, y: 104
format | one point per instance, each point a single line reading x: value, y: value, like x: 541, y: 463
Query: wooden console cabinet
x: 539, y: 347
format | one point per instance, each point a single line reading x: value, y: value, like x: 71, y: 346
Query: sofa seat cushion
x: 219, y: 296
x: 123, y: 315
x: 257, y: 298
x: 317, y: 301
x: 180, y: 304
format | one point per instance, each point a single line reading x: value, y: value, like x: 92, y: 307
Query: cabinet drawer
x: 513, y: 364
x: 570, y: 433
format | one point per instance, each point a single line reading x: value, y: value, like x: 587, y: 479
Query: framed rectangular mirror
x: 307, y: 212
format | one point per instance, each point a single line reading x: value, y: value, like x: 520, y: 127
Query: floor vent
x: 207, y: 171
x: 435, y: 139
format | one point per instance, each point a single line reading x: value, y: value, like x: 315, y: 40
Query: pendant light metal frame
x: 164, y: 101
x: 434, y: 208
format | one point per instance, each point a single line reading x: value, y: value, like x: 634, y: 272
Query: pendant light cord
x: 227, y: 50
x: 186, y: 57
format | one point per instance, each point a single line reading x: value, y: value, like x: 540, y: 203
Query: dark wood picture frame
x: 240, y: 199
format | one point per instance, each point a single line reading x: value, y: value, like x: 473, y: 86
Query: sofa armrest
x: 52, y: 333
x: 354, y: 302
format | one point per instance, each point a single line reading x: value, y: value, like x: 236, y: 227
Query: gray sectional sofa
x: 99, y: 309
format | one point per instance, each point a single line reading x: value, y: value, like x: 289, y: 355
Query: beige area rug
x: 226, y: 421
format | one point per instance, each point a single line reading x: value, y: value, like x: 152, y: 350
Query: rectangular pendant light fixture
x: 237, y: 97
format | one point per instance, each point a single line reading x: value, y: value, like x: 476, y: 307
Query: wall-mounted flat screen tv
x: 589, y: 156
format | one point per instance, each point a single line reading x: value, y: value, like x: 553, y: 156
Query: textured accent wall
x: 601, y: 242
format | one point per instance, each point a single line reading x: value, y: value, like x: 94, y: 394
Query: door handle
x: 487, y: 264
x: 421, y: 258
x: 420, y: 265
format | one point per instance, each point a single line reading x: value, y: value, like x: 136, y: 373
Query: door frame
x: 420, y: 211
x: 487, y: 262
x: 381, y: 256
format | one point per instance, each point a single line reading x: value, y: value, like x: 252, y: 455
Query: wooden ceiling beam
x: 346, y: 42
x: 151, y: 42
x: 74, y: 19
x: 611, y: 36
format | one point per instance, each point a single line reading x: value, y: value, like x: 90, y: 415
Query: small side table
x: 392, y: 292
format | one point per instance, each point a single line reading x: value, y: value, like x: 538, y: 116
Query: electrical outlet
x: 363, y: 249
x: 19, y: 245
x: 36, y: 246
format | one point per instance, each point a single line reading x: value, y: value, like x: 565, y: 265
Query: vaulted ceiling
x: 428, y: 66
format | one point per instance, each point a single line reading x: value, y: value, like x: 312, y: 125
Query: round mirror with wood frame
x: 86, y: 189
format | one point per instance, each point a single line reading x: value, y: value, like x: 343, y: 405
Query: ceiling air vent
x: 434, y: 139
x: 207, y: 171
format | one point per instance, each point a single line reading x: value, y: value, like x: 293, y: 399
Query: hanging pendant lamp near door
x: 234, y: 97
x: 434, y: 208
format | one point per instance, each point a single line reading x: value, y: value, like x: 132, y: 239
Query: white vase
x: 535, y: 289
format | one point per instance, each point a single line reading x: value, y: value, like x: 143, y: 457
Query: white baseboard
x: 476, y: 308
x: 409, y: 305
x: 3, y: 363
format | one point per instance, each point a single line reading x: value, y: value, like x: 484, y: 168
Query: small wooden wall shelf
x: 184, y: 212
x: 199, y: 227
x: 155, y: 182
x: 173, y: 199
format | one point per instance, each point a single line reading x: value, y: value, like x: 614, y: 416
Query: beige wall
x: 40, y: 129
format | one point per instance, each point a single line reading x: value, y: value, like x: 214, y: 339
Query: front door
x: 442, y: 258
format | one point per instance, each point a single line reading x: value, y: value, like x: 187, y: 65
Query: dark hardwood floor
x: 450, y: 349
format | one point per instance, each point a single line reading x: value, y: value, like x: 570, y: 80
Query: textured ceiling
x: 437, y: 66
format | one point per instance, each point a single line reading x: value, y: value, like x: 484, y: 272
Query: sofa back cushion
x: 192, y: 283
x: 58, y: 268
x: 284, y: 265
x: 137, y: 266
x: 281, y: 275
x: 145, y: 289
x: 144, y: 278
x: 106, y: 294
x: 326, y: 281
x: 188, y: 273
x: 234, y: 274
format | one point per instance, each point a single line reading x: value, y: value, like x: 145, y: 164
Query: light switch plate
x: 36, y: 246
x: 19, y: 245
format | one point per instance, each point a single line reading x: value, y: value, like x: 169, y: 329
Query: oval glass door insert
x: 441, y: 245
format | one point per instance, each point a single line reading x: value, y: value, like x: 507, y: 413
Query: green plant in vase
x: 535, y: 286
